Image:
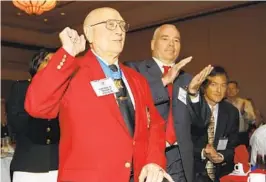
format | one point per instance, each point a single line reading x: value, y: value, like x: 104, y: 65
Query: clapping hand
x: 212, y: 154
x: 174, y: 71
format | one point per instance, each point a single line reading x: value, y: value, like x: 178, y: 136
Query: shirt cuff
x: 194, y: 99
x: 202, y: 155
x: 221, y: 155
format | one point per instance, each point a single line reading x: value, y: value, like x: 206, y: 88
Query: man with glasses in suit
x: 110, y: 129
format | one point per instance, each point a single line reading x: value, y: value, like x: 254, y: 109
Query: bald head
x: 101, y: 14
x: 105, y: 38
x: 165, y: 44
x: 161, y: 28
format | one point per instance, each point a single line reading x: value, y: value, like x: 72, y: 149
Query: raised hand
x: 199, y: 79
x: 153, y: 173
x: 72, y: 42
x: 175, y: 70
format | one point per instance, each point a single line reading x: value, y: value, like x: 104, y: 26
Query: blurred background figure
x: 7, y: 147
x: 36, y: 153
x: 258, y: 147
x: 245, y: 108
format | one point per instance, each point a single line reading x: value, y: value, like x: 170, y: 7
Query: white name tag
x: 222, y: 144
x: 104, y: 86
x: 182, y: 95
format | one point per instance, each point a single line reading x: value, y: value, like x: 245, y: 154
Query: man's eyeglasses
x: 112, y: 24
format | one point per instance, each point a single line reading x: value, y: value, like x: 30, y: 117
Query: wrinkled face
x: 45, y: 61
x: 166, y: 44
x: 232, y: 90
x: 216, y: 89
x: 102, y: 37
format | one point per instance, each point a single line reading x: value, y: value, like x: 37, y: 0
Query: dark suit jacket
x: 227, y: 126
x: 181, y: 113
x: 36, y: 139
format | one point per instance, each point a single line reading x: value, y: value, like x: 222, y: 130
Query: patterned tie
x: 210, y: 166
x: 125, y: 104
x: 170, y: 130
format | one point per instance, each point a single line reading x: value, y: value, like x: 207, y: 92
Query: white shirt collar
x: 215, y: 108
x: 105, y: 62
x: 161, y: 64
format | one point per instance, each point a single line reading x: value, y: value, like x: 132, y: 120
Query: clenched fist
x: 72, y: 42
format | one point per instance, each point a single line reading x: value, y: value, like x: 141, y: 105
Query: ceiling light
x: 35, y: 7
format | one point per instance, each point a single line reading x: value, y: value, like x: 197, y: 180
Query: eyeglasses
x: 112, y: 24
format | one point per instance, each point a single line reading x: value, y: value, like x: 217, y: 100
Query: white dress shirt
x: 258, y: 143
x: 161, y: 64
x: 123, y: 77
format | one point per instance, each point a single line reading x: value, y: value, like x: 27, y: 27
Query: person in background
x: 246, y: 111
x: 214, y: 144
x: 173, y: 90
x: 4, y: 128
x: 258, y: 144
x: 260, y: 120
x: 36, y: 152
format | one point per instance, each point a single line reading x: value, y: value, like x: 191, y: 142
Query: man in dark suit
x: 214, y: 143
x: 36, y: 152
x: 169, y: 90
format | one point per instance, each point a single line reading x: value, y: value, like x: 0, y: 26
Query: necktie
x: 170, y: 130
x: 210, y: 166
x: 125, y: 104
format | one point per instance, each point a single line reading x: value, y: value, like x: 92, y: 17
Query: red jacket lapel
x: 96, y: 73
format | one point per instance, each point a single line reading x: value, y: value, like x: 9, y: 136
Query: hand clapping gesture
x: 175, y: 70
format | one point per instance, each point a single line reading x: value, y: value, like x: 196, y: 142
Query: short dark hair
x: 234, y: 82
x: 217, y: 70
x: 37, y: 60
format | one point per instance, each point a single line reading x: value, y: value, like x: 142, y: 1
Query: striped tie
x: 210, y: 166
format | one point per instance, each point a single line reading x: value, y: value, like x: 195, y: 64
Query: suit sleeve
x: 232, y: 138
x: 158, y: 90
x: 17, y: 117
x: 48, y: 86
x: 199, y: 112
x: 156, y: 148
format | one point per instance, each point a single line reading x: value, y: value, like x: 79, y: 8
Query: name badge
x: 104, y: 86
x: 182, y: 95
x: 222, y: 144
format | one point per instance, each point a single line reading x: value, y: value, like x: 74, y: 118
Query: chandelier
x: 35, y: 7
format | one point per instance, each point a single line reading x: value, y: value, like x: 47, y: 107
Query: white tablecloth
x: 5, y: 166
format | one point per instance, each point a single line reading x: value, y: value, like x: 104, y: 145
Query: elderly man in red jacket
x: 110, y: 129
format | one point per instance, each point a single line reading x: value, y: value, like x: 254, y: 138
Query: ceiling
x: 18, y: 27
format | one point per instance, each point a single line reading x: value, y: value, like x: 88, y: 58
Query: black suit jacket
x: 181, y: 112
x: 227, y: 126
x: 36, y: 139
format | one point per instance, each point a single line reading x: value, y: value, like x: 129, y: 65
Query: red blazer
x: 95, y: 145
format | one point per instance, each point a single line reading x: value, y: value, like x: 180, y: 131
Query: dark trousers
x: 174, y: 165
x: 243, y: 138
x: 203, y: 177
